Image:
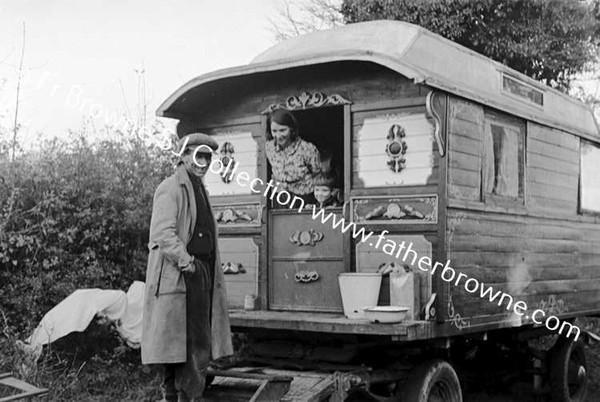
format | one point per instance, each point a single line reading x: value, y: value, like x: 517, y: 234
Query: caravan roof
x: 415, y: 53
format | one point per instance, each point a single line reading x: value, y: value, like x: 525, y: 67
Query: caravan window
x: 503, y: 156
x: 590, y: 172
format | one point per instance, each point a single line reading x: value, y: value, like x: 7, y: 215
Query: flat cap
x: 206, y: 143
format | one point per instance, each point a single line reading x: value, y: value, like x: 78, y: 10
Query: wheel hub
x: 581, y: 374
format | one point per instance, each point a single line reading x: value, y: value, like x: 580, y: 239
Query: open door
x: 305, y: 255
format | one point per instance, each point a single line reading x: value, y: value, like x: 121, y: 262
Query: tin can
x: 249, y: 302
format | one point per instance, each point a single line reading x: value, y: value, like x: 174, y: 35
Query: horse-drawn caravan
x: 460, y: 159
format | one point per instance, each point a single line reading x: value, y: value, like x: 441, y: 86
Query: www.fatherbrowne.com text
x: 402, y: 251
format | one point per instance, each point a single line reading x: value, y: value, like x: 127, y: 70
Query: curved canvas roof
x: 422, y: 56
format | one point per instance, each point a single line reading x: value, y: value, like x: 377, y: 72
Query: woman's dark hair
x: 285, y: 118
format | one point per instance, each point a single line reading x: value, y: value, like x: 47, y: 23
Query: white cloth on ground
x: 77, y: 311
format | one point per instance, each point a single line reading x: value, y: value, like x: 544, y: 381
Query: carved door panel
x: 304, y: 254
x: 305, y: 258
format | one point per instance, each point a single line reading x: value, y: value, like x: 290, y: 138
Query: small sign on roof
x: 522, y: 90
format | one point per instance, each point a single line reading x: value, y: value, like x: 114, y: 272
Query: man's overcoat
x: 171, y: 228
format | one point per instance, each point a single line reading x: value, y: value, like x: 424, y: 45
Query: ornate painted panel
x: 235, y: 149
x: 393, y: 149
x: 236, y: 215
x: 305, y: 257
x: 239, y: 262
x: 395, y: 210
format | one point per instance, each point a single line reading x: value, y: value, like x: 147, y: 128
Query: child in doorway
x: 324, y: 191
x: 329, y: 168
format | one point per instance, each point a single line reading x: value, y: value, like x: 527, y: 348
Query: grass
x: 96, y: 365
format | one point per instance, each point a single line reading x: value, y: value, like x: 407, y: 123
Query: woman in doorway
x: 293, y: 160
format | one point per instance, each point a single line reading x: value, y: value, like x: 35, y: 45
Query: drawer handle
x: 231, y: 268
x: 306, y: 276
x: 306, y: 237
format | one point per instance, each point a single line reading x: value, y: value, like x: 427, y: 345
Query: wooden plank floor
x: 306, y: 386
x: 329, y: 323
x: 230, y: 389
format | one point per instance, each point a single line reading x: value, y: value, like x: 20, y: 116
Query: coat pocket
x: 170, y: 279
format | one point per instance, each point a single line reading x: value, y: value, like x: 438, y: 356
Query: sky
x: 88, y: 58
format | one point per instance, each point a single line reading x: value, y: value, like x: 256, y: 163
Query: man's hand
x: 190, y: 268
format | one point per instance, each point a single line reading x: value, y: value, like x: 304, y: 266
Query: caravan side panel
x: 532, y: 244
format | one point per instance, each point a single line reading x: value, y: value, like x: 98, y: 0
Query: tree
x: 549, y: 40
x: 306, y: 16
x: 586, y: 88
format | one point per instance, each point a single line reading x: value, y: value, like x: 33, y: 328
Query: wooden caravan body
x: 500, y: 176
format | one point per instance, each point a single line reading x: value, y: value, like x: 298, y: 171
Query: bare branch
x: 124, y: 98
x: 16, y: 121
x: 306, y: 16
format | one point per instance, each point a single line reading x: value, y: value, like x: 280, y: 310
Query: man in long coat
x: 186, y: 321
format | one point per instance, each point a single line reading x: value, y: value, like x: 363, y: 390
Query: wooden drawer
x: 323, y: 294
x: 240, y: 250
x: 301, y: 236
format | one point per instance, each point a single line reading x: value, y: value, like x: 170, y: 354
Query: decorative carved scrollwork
x: 436, y: 104
x: 306, y: 100
x: 455, y: 318
x: 395, y: 211
x: 306, y: 237
x: 396, y: 148
x: 232, y: 215
x: 231, y: 268
x: 227, y: 158
x: 306, y: 276
x: 552, y: 305
x: 400, y: 209
x: 386, y: 267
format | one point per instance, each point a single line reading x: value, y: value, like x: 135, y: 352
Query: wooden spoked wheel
x: 432, y: 381
x: 569, y: 378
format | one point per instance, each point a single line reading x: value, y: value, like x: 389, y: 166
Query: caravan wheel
x: 569, y: 377
x: 432, y: 381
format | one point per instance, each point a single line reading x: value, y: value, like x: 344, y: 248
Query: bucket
x: 359, y: 290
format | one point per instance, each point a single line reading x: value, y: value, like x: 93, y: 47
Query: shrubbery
x: 74, y: 214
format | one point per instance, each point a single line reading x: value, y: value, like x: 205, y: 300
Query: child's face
x: 322, y: 193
